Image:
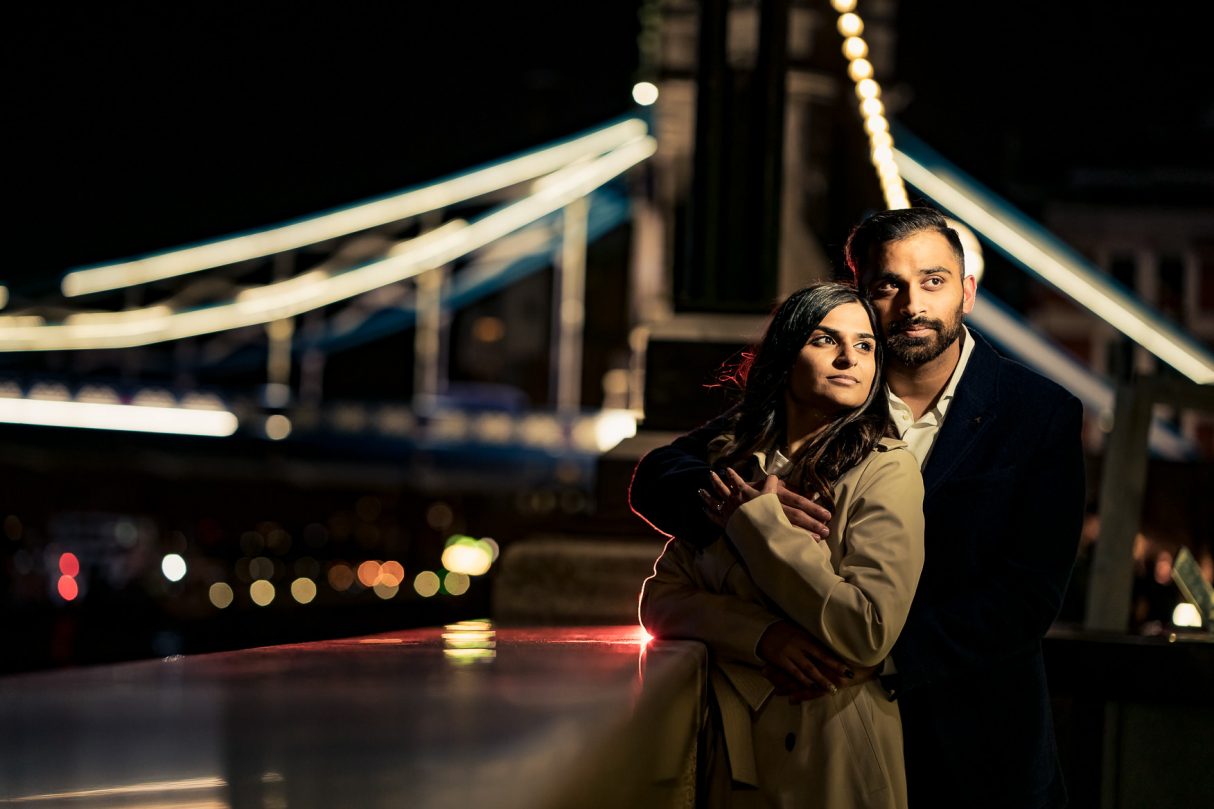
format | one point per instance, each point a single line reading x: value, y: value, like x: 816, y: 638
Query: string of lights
x: 872, y: 108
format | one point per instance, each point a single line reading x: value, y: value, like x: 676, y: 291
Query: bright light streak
x: 289, y: 298
x: 343, y: 222
x: 1085, y: 286
x: 132, y: 418
x: 173, y: 567
x: 146, y: 787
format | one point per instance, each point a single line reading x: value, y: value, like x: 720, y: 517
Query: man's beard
x: 915, y: 351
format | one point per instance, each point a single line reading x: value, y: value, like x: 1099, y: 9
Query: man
x: 1004, y: 490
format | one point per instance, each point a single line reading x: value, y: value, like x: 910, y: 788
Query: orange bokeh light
x: 341, y: 577
x: 369, y: 573
x: 68, y: 589
x: 69, y: 565
x: 392, y: 574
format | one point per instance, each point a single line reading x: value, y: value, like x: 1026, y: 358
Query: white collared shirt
x: 920, y: 436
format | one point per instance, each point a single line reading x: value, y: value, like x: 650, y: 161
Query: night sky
x: 137, y: 126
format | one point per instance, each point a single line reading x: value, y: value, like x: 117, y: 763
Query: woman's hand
x: 801, y: 511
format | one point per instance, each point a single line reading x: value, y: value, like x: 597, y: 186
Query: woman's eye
x: 822, y: 340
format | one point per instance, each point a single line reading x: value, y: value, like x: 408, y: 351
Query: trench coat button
x: 790, y: 741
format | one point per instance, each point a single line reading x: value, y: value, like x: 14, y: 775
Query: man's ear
x: 969, y: 289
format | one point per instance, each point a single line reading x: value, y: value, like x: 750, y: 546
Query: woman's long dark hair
x: 759, y: 420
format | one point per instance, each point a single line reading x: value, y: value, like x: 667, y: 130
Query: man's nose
x: 911, y: 302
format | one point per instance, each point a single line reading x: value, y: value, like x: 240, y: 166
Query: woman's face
x: 836, y: 367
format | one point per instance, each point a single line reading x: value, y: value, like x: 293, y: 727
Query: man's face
x: 920, y: 297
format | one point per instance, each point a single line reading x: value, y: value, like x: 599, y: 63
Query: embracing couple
x: 872, y: 543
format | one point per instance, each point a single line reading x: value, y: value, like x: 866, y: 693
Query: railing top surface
x: 468, y: 712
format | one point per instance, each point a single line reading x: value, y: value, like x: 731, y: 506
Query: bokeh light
x: 369, y: 573
x: 850, y: 25
x: 262, y: 592
x: 645, y: 93
x: 855, y: 48
x: 340, y: 577
x: 439, y: 516
x: 456, y: 583
x: 221, y: 595
x: 69, y: 564
x: 466, y: 555
x: 1186, y: 614
x: 303, y: 590
x: 68, y: 589
x: 386, y: 591
x: 278, y: 427
x: 173, y: 567
x: 860, y: 69
x: 426, y: 583
x: 392, y: 574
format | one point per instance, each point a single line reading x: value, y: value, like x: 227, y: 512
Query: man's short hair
x: 868, y: 237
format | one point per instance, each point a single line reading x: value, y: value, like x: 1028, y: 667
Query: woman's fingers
x: 723, y: 490
x: 748, y: 491
x: 713, y: 507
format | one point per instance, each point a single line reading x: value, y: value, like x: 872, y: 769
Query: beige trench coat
x: 852, y: 591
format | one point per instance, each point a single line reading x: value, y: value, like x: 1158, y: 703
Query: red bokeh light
x: 69, y: 565
x: 68, y: 589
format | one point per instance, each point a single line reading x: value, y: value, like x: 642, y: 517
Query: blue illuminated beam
x: 1037, y: 250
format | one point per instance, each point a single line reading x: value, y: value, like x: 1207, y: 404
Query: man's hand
x: 794, y: 653
x: 801, y: 511
x: 791, y: 641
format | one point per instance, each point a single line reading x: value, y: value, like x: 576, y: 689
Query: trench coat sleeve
x: 1006, y: 610
x: 859, y: 610
x: 676, y: 602
x: 665, y: 483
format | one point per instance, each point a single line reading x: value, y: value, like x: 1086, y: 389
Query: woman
x: 813, y: 413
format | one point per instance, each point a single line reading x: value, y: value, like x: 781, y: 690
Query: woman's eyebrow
x: 837, y: 334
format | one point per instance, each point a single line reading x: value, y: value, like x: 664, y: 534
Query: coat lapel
x: 970, y: 414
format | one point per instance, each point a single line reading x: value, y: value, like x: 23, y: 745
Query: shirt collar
x: 946, y: 396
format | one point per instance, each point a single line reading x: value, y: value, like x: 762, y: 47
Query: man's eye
x: 864, y: 346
